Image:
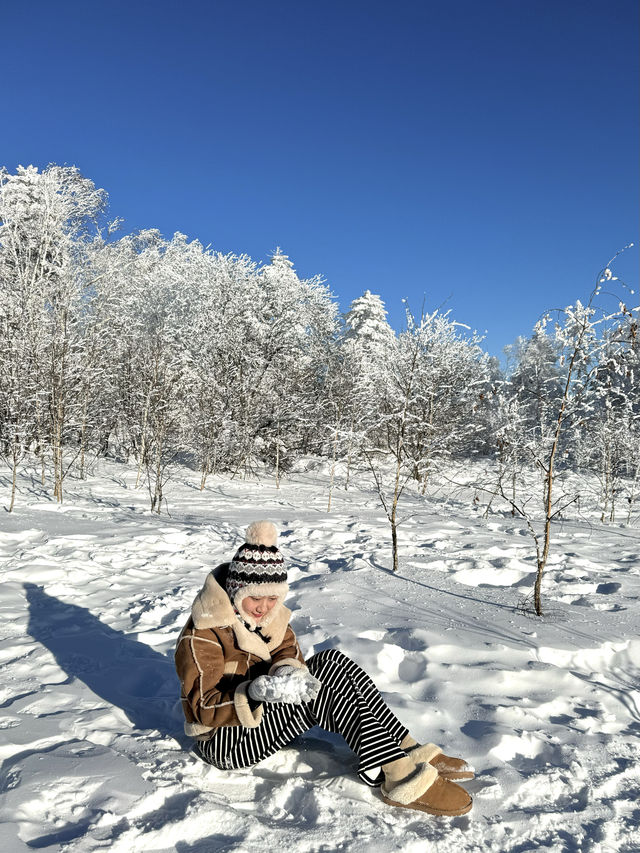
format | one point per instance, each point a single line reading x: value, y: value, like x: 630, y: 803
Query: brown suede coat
x: 217, y: 657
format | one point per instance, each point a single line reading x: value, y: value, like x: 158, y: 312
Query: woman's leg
x: 350, y: 704
x: 232, y: 747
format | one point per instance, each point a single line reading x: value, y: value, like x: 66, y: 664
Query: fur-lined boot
x: 447, y: 766
x: 421, y: 788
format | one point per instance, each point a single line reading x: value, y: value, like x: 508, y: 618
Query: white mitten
x: 307, y: 684
x: 288, y: 684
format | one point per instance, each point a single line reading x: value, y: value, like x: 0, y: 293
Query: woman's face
x: 258, y: 607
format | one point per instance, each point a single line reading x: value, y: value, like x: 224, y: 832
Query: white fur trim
x: 294, y: 662
x: 213, y: 609
x: 260, y: 590
x: 414, y: 786
x: 250, y: 719
x: 251, y: 642
x: 261, y: 533
x: 196, y: 729
x: 425, y: 752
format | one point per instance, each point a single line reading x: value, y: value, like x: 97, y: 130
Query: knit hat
x: 257, y: 569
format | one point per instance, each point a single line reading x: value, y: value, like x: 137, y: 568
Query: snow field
x: 95, y: 592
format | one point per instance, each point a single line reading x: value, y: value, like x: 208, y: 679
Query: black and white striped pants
x: 348, y: 703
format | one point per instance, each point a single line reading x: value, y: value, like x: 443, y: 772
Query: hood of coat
x: 212, y: 608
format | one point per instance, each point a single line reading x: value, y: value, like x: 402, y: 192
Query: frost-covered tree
x: 605, y: 435
x: 261, y: 336
x: 580, y: 339
x: 18, y: 388
x: 366, y: 324
x: 536, y: 380
x: 436, y: 379
x: 298, y: 326
x: 367, y: 351
x: 47, y: 220
x: 505, y: 450
x: 450, y: 386
x: 368, y: 344
x: 225, y: 289
x: 157, y: 356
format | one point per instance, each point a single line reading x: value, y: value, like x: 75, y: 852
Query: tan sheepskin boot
x: 421, y: 788
x: 447, y: 766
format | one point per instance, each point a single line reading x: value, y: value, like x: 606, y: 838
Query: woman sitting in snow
x: 247, y: 691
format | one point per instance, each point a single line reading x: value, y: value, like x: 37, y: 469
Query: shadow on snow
x: 124, y: 672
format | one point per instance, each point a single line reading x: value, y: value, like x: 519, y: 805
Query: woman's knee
x: 326, y: 657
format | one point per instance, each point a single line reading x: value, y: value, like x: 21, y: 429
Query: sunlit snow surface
x: 95, y: 592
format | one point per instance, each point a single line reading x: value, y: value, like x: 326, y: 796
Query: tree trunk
x: 346, y: 482
x: 159, y: 466
x: 40, y: 440
x: 157, y: 499
x: 632, y: 493
x: 393, y: 517
x: 548, y: 500
x: 143, y: 442
x: 606, y: 486
x: 204, y: 472
x: 333, y: 467
x: 498, y: 491
x: 425, y: 481
x: 83, y: 433
x: 427, y: 470
x: 13, y: 480
x: 57, y: 452
x: 58, y: 403
x: 394, y: 537
x: 542, y: 560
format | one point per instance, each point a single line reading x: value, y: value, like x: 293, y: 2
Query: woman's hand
x: 288, y: 684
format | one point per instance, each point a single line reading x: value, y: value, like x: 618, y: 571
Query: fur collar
x: 213, y: 609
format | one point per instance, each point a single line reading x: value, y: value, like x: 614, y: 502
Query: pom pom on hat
x: 261, y: 533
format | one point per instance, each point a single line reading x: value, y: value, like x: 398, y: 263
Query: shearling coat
x: 217, y: 657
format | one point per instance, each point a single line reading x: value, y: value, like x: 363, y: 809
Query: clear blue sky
x: 483, y: 153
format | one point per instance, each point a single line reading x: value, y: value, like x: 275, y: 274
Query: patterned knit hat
x: 257, y: 569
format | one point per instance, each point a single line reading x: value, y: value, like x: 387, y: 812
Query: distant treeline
x: 152, y: 350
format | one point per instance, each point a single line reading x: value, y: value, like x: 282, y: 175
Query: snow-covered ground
x: 95, y: 592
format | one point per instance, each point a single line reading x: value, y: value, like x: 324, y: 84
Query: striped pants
x: 348, y: 703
